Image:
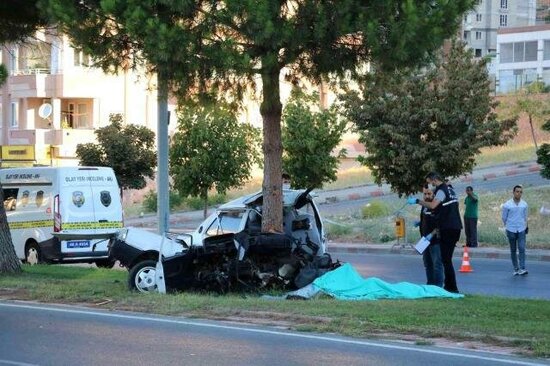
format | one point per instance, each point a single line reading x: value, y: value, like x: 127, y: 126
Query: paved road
x: 490, y: 276
x: 48, y: 335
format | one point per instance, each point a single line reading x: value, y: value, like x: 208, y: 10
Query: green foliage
x: 226, y: 45
x: 129, y: 149
x: 543, y: 155
x: 150, y: 201
x: 375, y: 208
x: 211, y: 150
x: 3, y: 74
x: 309, y: 137
x: 416, y: 121
x: 337, y: 230
x: 528, y: 102
x: 19, y: 20
x: 197, y: 203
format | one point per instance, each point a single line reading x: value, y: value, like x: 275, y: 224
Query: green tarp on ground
x: 346, y: 284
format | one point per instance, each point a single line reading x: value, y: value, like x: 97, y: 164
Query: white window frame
x: 479, y: 17
x: 504, y: 4
x: 503, y: 20
x: 478, y: 35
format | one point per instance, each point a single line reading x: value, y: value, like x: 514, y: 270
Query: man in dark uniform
x: 432, y: 254
x: 445, y: 207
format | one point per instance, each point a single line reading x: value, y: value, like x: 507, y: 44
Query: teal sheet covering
x: 345, y: 283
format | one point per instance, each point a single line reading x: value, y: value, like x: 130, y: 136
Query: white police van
x: 62, y: 214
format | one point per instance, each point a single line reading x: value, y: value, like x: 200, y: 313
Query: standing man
x: 432, y: 254
x: 445, y: 206
x: 514, y: 217
x: 470, y: 217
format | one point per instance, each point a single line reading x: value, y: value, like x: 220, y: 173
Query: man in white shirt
x: 514, y: 217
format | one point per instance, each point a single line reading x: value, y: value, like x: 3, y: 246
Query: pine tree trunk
x: 270, y: 109
x: 9, y: 263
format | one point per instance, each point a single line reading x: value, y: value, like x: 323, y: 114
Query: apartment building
x: 523, y: 56
x: 480, y: 26
x: 54, y: 99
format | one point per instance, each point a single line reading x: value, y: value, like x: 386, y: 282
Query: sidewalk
x: 480, y: 252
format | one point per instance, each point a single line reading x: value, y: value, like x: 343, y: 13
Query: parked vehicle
x: 228, y: 251
x: 62, y: 214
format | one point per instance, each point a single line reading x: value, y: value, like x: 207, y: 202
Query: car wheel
x: 105, y: 263
x: 142, y: 276
x: 32, y: 253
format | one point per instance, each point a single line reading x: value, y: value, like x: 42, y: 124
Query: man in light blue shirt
x: 514, y: 217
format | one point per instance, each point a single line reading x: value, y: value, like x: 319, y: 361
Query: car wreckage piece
x: 228, y: 252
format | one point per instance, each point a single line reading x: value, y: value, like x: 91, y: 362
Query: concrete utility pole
x: 163, y: 198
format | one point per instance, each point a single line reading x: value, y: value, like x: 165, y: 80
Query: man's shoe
x: 523, y: 272
x: 516, y: 272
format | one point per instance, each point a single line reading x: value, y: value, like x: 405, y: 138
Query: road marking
x: 272, y: 332
x: 8, y: 362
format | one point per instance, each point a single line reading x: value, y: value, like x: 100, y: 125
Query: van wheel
x: 32, y: 254
x: 105, y: 263
x: 142, y: 276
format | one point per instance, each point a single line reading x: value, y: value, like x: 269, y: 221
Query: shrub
x: 374, y: 209
x: 197, y: 203
x: 150, y: 201
x: 334, y: 231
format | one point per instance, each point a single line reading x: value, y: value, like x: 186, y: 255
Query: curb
x: 539, y: 255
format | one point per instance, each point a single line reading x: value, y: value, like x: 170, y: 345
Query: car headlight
x: 122, y: 234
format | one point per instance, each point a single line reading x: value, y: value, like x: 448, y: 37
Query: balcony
x: 55, y: 137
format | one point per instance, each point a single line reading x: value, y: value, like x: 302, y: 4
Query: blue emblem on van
x: 78, y: 198
x: 105, y: 198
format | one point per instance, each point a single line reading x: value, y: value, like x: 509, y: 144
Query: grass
x: 355, y: 228
x: 506, y: 154
x: 521, y: 324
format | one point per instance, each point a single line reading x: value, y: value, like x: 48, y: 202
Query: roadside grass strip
x: 523, y: 324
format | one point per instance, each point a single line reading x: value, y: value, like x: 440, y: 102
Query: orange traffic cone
x: 465, y: 267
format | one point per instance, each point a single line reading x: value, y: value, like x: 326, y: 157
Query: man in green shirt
x: 470, y: 217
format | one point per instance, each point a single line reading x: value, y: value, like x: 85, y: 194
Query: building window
x: 81, y: 59
x: 478, y: 52
x: 478, y: 35
x: 503, y: 20
x: 530, y: 51
x: 82, y: 116
x: 546, y: 54
x: 519, y: 48
x: 504, y: 4
x: 14, y: 114
x: 478, y: 17
x: 506, y: 53
x: 519, y: 52
x: 13, y: 61
x: 466, y: 35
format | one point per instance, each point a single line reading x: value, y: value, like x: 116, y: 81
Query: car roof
x: 289, y: 198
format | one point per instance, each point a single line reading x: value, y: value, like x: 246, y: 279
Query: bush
x: 374, y: 209
x: 197, y: 203
x: 334, y: 231
x: 150, y: 201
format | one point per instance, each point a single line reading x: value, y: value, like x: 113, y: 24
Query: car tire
x: 141, y: 277
x: 33, y: 255
x: 105, y: 263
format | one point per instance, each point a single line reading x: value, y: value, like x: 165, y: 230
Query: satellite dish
x: 45, y: 110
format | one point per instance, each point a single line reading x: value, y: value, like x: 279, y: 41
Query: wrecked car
x: 228, y: 251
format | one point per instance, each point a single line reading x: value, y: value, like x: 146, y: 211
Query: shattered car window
x: 227, y: 222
